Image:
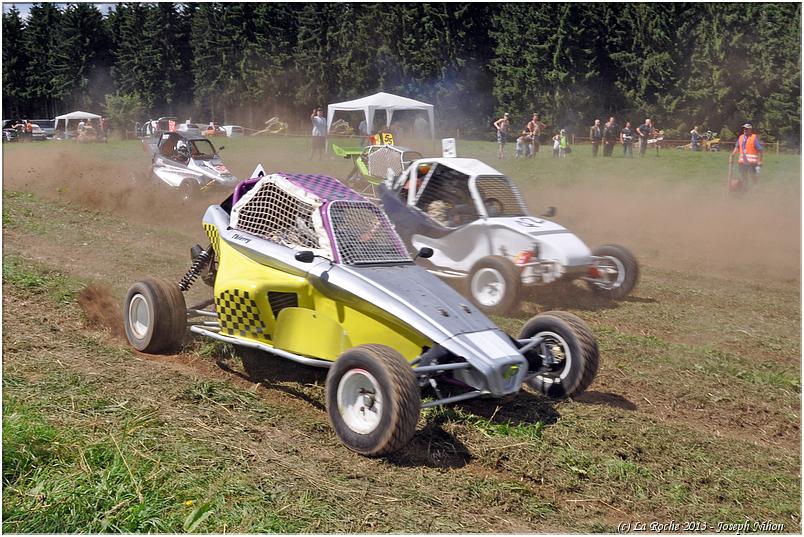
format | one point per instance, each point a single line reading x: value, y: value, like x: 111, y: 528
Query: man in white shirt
x: 319, y: 134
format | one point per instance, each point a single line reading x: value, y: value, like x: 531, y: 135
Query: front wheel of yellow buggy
x: 373, y: 400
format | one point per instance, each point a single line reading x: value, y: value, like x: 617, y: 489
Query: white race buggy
x: 475, y: 220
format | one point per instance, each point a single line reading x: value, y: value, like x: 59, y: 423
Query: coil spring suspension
x: 198, y: 265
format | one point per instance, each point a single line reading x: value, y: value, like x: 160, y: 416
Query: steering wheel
x: 493, y: 206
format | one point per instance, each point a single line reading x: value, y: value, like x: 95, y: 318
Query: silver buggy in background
x: 475, y: 220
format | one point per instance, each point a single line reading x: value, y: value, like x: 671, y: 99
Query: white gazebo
x: 381, y: 101
x: 77, y: 115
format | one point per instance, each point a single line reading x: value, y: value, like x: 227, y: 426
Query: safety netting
x: 288, y: 210
x: 382, y: 158
x: 363, y: 234
x: 500, y: 196
x: 278, y: 210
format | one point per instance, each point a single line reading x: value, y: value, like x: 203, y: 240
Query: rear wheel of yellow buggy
x: 155, y: 316
x: 373, y: 400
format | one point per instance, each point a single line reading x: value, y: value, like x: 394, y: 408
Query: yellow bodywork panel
x: 307, y: 322
x: 309, y: 333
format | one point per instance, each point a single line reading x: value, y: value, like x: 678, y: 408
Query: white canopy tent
x: 77, y: 115
x: 381, y: 101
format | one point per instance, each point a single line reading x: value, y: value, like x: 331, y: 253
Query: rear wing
x: 346, y: 152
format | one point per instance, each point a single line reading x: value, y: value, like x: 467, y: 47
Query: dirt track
x: 713, y: 269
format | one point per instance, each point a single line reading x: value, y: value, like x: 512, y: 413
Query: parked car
x: 155, y: 127
x: 10, y: 134
x: 233, y: 131
x: 487, y: 241
x: 186, y: 162
x: 48, y: 126
x: 213, y: 129
x: 38, y: 134
x: 305, y: 269
x: 189, y: 128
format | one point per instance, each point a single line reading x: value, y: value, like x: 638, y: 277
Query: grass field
x: 694, y: 416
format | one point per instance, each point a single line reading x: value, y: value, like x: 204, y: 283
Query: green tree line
x: 710, y: 64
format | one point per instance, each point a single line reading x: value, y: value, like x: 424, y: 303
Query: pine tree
x: 41, y: 42
x: 15, y: 65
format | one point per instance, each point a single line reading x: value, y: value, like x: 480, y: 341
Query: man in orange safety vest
x: 749, y: 149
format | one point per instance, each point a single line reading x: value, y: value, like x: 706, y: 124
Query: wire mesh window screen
x: 364, y: 235
x: 383, y: 158
x: 275, y: 215
x: 500, y: 196
x: 448, y: 186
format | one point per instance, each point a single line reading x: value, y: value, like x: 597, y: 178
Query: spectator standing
x: 627, y: 138
x: 749, y: 149
x: 609, y: 137
x: 556, y: 145
x: 535, y: 127
x: 502, y: 125
x: 695, y: 139
x: 362, y: 130
x: 523, y: 144
x: 319, y: 134
x: 28, y: 130
x: 563, y: 144
x: 596, y: 135
x: 644, y: 131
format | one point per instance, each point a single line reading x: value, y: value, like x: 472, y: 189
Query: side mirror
x: 424, y: 253
x: 305, y: 256
x: 550, y: 212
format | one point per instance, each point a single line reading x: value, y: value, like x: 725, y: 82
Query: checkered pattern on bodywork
x: 214, y: 238
x: 322, y: 186
x: 239, y: 315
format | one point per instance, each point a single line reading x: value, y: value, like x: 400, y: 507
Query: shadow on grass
x: 521, y: 416
x: 563, y: 296
x: 605, y: 398
x: 284, y: 375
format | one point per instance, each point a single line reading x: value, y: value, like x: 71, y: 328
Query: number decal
x: 529, y: 222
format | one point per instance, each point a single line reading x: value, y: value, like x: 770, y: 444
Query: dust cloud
x: 674, y: 226
x: 686, y: 228
x: 115, y: 187
x: 102, y: 308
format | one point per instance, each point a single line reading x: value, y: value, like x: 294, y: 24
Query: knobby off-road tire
x: 494, y: 285
x: 578, y: 345
x: 626, y: 264
x: 373, y: 400
x: 155, y: 316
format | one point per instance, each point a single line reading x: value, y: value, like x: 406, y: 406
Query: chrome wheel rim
x: 611, y: 272
x: 553, y: 343
x: 139, y: 316
x: 360, y: 401
x: 488, y: 287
